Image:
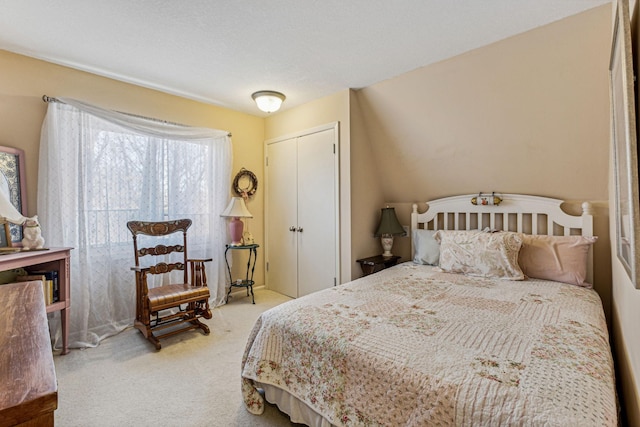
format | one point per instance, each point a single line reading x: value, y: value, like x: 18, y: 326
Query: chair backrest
x: 161, y: 229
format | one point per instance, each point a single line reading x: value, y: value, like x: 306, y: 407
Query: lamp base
x: 387, y: 244
x: 236, y: 227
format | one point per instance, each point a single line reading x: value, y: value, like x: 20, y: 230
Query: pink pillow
x: 558, y: 258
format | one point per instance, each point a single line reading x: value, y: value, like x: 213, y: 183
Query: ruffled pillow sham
x: 478, y: 253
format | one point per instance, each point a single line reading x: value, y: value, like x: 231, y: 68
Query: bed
x: 493, y: 322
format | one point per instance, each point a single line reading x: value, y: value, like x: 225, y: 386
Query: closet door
x: 316, y: 212
x: 281, y: 211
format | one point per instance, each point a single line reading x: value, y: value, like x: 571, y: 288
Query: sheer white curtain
x: 99, y: 169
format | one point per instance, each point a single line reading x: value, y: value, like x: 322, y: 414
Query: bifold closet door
x: 316, y: 212
x: 282, y: 207
x: 301, y: 214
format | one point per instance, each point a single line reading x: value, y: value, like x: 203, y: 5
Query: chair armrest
x: 200, y: 260
x: 196, y: 271
x: 141, y: 281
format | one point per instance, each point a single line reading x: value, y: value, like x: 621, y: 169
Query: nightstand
x: 247, y: 282
x: 373, y: 264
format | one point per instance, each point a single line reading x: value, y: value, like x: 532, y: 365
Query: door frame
x: 335, y: 126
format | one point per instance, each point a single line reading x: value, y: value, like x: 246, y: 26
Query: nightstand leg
x: 255, y: 258
x: 226, y: 300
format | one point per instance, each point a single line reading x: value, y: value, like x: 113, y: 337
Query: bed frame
x: 517, y: 212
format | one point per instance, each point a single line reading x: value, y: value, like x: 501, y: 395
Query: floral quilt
x: 414, y: 346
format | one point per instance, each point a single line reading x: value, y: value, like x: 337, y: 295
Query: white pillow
x: 426, y: 248
x: 477, y: 253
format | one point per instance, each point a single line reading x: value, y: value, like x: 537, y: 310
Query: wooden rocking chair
x: 193, y: 294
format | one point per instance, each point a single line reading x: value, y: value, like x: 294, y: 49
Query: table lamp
x: 236, y: 210
x: 389, y: 226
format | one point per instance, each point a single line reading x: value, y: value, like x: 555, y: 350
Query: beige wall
x: 626, y: 299
x: 515, y: 116
x: 528, y: 114
x: 626, y: 336
x: 24, y: 80
x: 520, y: 115
x: 330, y: 109
x: 360, y: 190
x: 367, y: 197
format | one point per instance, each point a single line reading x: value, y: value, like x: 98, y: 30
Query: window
x: 100, y: 169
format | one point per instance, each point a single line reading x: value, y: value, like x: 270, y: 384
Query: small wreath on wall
x: 245, y: 183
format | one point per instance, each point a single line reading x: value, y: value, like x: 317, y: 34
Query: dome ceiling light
x: 268, y: 101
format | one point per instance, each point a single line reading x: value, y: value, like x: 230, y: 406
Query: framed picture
x: 623, y: 137
x: 5, y: 236
x: 12, y: 185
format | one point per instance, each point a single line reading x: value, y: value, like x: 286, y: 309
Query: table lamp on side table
x: 236, y: 210
x: 389, y: 226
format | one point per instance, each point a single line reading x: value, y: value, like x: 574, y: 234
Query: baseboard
x: 627, y: 391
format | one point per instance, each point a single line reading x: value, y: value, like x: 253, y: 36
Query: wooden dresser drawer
x: 28, y: 385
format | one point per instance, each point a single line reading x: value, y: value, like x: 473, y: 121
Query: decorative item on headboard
x: 486, y: 199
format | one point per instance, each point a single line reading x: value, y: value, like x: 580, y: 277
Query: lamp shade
x: 389, y: 224
x: 268, y: 100
x: 236, y: 209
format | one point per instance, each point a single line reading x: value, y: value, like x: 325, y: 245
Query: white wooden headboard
x: 517, y: 212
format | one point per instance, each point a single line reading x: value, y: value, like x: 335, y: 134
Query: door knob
x: 299, y: 229
x: 292, y: 228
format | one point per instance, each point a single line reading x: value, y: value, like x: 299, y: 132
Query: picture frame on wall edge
x: 13, y: 185
x: 624, y: 144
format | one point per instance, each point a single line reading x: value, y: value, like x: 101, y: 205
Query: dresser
x: 57, y: 259
x: 28, y: 386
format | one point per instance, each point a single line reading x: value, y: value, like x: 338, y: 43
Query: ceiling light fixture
x: 268, y: 100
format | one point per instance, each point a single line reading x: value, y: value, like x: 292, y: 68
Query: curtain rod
x: 48, y: 99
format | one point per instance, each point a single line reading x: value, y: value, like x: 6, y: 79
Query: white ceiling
x: 220, y: 52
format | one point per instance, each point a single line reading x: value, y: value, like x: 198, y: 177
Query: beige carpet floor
x: 193, y: 381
